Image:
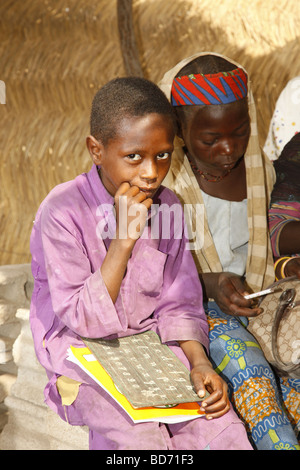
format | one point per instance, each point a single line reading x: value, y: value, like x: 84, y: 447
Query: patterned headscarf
x: 217, y: 88
x: 260, y: 179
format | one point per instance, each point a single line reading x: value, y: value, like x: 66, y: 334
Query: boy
x: 94, y: 285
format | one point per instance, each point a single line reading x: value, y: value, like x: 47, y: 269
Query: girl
x: 284, y: 211
x: 218, y: 163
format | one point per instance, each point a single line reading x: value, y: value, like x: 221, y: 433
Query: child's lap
x: 111, y: 428
x: 232, y: 347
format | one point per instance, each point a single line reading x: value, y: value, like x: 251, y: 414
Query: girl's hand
x: 292, y: 268
x: 132, y: 207
x: 228, y: 291
x: 205, y: 379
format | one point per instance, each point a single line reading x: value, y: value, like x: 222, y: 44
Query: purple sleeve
x: 79, y: 297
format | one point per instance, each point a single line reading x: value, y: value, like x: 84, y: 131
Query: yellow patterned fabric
x: 260, y: 180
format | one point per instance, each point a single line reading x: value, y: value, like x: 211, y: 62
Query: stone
x: 31, y: 424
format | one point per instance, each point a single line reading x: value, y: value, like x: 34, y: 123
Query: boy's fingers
x: 213, y: 398
x: 218, y: 408
x: 123, y: 188
x: 148, y: 202
x: 199, y: 386
x: 133, y: 192
x: 217, y: 414
x: 139, y: 197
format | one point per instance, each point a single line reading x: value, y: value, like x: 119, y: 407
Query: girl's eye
x: 163, y: 156
x: 211, y: 142
x: 134, y: 157
x: 243, y: 133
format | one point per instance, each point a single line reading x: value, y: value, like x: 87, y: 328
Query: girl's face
x: 216, y: 136
x: 139, y: 154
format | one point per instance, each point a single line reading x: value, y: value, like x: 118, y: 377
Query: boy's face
x: 139, y: 154
x: 216, y: 136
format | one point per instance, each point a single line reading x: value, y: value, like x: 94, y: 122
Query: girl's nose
x: 227, y: 147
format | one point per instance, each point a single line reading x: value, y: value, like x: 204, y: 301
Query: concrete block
x: 6, y: 382
x: 16, y: 284
x: 31, y: 425
x: 6, y: 345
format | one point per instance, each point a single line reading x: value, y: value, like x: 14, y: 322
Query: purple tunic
x: 160, y: 291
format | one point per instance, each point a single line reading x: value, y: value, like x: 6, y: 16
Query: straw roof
x: 55, y: 54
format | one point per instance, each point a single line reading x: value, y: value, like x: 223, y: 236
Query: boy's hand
x: 205, y: 379
x: 132, y: 207
x: 131, y: 216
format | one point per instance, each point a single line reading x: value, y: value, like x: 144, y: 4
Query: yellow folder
x: 179, y: 413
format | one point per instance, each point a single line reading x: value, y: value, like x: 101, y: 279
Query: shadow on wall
x: 69, y: 52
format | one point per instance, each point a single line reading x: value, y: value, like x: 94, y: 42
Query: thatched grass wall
x: 55, y: 54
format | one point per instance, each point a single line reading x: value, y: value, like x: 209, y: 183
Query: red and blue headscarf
x: 218, y: 88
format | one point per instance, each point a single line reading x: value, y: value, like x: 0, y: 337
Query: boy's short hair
x: 127, y: 96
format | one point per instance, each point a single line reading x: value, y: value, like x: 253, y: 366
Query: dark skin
x: 292, y: 267
x: 216, y: 139
x: 289, y: 243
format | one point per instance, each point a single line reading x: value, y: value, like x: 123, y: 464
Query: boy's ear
x: 95, y: 149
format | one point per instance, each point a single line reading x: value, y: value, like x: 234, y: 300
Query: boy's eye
x: 163, y: 156
x: 134, y: 157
